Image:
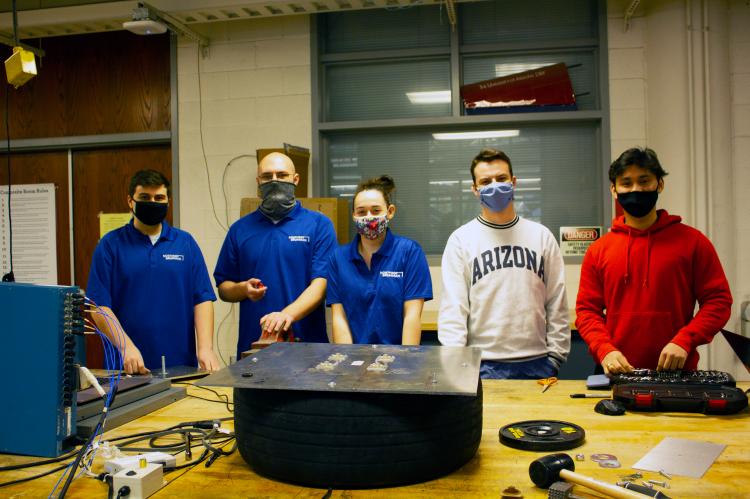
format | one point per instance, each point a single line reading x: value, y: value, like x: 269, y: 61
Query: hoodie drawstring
x: 648, y: 258
x: 627, y: 259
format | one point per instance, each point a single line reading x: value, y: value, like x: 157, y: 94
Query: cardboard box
x: 336, y: 209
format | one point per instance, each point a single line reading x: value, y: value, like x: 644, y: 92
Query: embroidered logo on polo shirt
x: 299, y: 239
x: 390, y: 273
x: 177, y: 258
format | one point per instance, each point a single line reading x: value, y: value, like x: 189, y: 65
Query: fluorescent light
x: 435, y: 97
x: 487, y: 134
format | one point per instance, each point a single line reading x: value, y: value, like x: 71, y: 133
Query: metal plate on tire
x: 425, y: 369
x: 541, y: 435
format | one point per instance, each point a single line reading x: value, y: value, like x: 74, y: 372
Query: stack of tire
x: 355, y: 440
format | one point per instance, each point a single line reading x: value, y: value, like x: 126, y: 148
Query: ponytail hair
x: 383, y: 183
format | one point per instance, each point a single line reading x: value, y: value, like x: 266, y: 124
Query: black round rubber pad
x: 542, y: 435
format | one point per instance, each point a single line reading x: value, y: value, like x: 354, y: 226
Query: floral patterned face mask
x: 371, y: 227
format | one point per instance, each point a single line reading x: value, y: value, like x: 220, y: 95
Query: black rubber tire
x: 355, y: 440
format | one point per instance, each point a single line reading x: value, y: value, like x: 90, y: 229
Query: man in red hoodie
x: 640, y: 282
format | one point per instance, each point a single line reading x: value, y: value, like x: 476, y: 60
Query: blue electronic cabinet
x: 38, y: 330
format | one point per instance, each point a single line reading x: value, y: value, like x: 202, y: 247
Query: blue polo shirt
x: 152, y: 289
x: 373, y: 298
x: 286, y: 257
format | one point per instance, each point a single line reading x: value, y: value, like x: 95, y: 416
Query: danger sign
x: 574, y: 241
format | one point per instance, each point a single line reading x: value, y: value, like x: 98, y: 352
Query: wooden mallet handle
x: 599, y: 486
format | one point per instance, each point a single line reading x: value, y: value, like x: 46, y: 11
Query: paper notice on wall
x: 574, y: 241
x: 112, y: 221
x: 32, y: 207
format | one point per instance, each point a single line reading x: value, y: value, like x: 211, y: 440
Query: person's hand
x: 255, y: 289
x: 276, y: 322
x: 616, y: 363
x: 133, y: 361
x: 672, y: 357
x: 208, y: 360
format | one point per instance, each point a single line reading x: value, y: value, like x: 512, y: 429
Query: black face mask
x: 150, y: 213
x: 278, y: 199
x: 638, y: 203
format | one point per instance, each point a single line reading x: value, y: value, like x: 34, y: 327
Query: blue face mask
x: 496, y: 196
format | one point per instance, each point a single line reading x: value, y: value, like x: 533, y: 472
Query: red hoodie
x: 647, y: 282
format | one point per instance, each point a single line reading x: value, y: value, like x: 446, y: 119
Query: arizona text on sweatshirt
x: 504, y: 291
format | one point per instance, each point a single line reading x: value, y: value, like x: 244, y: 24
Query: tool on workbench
x: 561, y: 490
x: 554, y: 467
x: 547, y: 382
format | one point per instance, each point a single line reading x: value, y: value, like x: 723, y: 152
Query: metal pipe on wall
x: 691, y: 107
x: 705, y: 25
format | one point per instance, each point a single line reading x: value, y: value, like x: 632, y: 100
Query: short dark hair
x: 149, y: 178
x: 638, y: 156
x: 487, y: 156
x: 383, y: 183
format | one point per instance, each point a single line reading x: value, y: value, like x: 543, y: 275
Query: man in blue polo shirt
x: 152, y: 281
x: 274, y: 260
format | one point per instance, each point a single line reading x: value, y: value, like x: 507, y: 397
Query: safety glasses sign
x: 574, y: 241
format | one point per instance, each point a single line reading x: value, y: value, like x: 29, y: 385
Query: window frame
x: 599, y: 116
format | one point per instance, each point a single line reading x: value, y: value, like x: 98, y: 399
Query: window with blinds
x: 388, y: 84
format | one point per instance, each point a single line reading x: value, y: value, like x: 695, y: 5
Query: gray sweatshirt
x: 504, y: 292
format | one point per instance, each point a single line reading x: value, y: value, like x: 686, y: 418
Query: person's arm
x: 417, y: 290
x: 99, y: 291
x: 305, y: 303
x: 412, y: 330
x: 324, y: 243
x: 233, y: 292
x: 590, y: 319
x: 108, y: 324
x: 453, y: 327
x: 204, y: 335
x: 341, y: 332
x: 715, y: 301
x: 556, y: 304
x: 227, y: 274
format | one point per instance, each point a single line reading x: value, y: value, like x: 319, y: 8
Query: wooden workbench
x: 494, y: 468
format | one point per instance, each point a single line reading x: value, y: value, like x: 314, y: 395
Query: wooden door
x: 46, y: 168
x: 101, y: 179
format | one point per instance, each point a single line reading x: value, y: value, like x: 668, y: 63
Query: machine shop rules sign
x: 574, y: 241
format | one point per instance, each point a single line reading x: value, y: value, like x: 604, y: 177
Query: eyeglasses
x: 269, y: 176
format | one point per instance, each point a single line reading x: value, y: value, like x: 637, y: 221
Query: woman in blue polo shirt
x: 378, y: 283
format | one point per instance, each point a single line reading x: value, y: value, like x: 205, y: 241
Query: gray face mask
x: 278, y: 199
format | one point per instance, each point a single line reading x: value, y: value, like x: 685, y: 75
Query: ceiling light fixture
x: 148, y: 20
x: 433, y: 97
x: 487, y: 134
